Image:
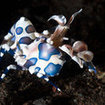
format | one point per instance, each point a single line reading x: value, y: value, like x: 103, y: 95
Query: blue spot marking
x: 30, y: 62
x: 91, y: 67
x: 30, y: 29
x: 44, y: 76
x: 19, y: 30
x: 25, y: 40
x: 37, y: 69
x: 18, y: 47
x: 46, y: 51
x: 6, y: 71
x: 12, y: 52
x: 52, y: 69
x: 23, y: 56
x: 13, y: 38
x: 2, y: 50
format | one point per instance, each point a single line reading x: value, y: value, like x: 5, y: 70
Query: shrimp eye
x: 86, y: 55
x: 79, y: 46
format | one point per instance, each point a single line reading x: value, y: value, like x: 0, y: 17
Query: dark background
x: 20, y: 88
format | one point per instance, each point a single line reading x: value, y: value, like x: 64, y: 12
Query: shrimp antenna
x: 73, y: 16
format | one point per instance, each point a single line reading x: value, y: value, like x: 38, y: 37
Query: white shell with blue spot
x: 20, y: 31
x: 33, y: 52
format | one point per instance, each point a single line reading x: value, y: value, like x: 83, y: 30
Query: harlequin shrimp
x: 41, y: 53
